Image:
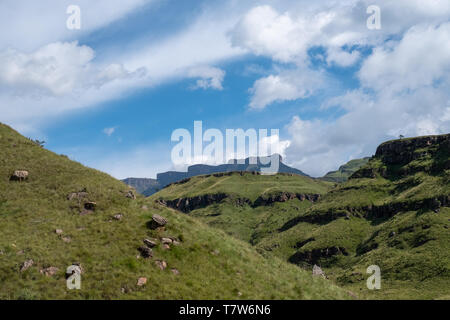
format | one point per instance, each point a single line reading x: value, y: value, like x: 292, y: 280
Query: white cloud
x: 109, y: 131
x: 56, y: 69
x: 342, y: 58
x: 210, y: 77
x: 419, y: 59
x: 44, y: 21
x: 286, y: 86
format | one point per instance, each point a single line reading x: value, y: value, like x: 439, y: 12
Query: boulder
x: 157, y: 222
x: 161, y: 264
x: 141, y: 281
x: 166, y: 241
x: 26, y: 265
x: 317, y: 271
x: 150, y: 243
x: 50, y: 271
x: 118, y: 216
x: 19, y: 175
x: 146, y: 252
x: 130, y: 194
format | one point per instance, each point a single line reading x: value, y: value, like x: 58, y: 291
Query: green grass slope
x: 393, y: 212
x: 345, y: 171
x: 210, y: 264
x: 242, y: 219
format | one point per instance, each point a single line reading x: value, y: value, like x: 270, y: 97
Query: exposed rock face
x: 283, y: 197
x: 19, y: 175
x: 157, y: 222
x: 370, y: 212
x: 313, y: 256
x: 189, y: 204
x: 403, y: 151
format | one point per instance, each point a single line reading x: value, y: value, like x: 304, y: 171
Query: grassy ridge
x: 211, y: 264
x: 341, y: 234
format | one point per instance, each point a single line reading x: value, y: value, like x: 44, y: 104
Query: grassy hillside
x: 345, y: 171
x: 393, y: 212
x: 206, y: 264
x: 244, y: 184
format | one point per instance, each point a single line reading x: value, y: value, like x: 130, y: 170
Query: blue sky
x: 110, y: 94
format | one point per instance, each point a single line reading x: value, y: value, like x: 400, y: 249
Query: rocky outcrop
x: 405, y: 150
x: 19, y: 175
x: 157, y: 222
x: 188, y: 204
x: 192, y: 203
x: 371, y: 212
x: 313, y: 256
x: 265, y: 200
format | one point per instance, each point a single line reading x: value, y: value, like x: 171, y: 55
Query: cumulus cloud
x: 420, y: 58
x: 56, y: 69
x: 286, y: 86
x: 408, y: 94
x: 210, y: 77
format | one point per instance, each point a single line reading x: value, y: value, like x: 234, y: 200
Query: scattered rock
x: 161, y: 264
x: 144, y: 207
x: 19, y: 175
x: 175, y: 271
x: 317, y: 271
x: 166, y: 241
x: 353, y: 295
x: 347, y: 217
x: 146, y: 252
x: 66, y: 239
x: 215, y: 252
x: 239, y: 294
x: 90, y: 206
x: 141, y: 281
x: 392, y: 234
x: 150, y: 243
x: 50, y: 271
x: 130, y: 194
x: 58, y: 231
x: 176, y: 243
x: 26, y: 265
x: 157, y: 222
x: 21, y: 252
x: 166, y: 246
x: 118, y: 217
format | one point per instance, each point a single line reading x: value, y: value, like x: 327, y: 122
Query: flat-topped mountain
x: 166, y: 178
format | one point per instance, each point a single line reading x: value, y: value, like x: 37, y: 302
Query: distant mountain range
x: 148, y: 187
